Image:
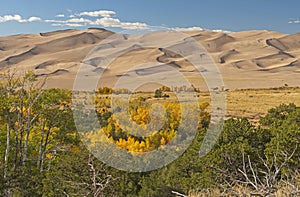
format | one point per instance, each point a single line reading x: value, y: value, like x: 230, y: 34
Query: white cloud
x: 188, y: 29
x: 114, y: 22
x: 103, y: 13
x: 34, y: 18
x: 136, y: 25
x: 107, y: 22
x: 73, y: 22
x: 18, y: 18
x: 62, y: 23
x: 57, y: 24
x: 60, y: 16
x: 222, y: 31
x: 15, y: 17
x: 79, y: 20
x: 54, y: 21
x: 67, y: 24
x: 103, y: 18
x: 294, y: 21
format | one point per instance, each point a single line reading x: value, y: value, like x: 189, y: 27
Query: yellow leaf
x: 48, y: 155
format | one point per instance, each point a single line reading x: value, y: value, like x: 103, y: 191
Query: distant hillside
x: 248, y: 59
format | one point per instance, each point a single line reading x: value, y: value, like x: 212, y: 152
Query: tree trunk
x: 28, y: 127
x: 44, y: 150
x: 16, y: 149
x: 7, y: 149
x: 41, y: 147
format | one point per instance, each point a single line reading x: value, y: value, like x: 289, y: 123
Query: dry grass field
x: 255, y: 103
x: 248, y: 103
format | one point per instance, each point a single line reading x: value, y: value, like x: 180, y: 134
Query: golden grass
x: 255, y: 103
x: 249, y: 103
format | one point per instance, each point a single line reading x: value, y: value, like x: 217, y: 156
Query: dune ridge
x: 257, y: 58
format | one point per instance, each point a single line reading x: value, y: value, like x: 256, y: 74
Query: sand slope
x: 247, y: 59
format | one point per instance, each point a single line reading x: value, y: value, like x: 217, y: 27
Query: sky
x: 35, y: 16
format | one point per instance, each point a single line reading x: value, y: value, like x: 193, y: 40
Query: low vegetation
x: 42, y: 154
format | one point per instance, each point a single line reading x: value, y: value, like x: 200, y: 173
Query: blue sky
x: 234, y: 15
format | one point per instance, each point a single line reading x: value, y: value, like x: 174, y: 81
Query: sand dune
x: 216, y: 44
x: 274, y: 59
x: 257, y: 58
x: 226, y: 55
x: 56, y: 73
x: 58, y: 32
x: 286, y: 43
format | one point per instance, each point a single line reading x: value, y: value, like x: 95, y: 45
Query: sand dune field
x: 250, y: 59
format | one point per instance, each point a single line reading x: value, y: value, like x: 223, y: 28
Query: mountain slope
x: 246, y: 59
